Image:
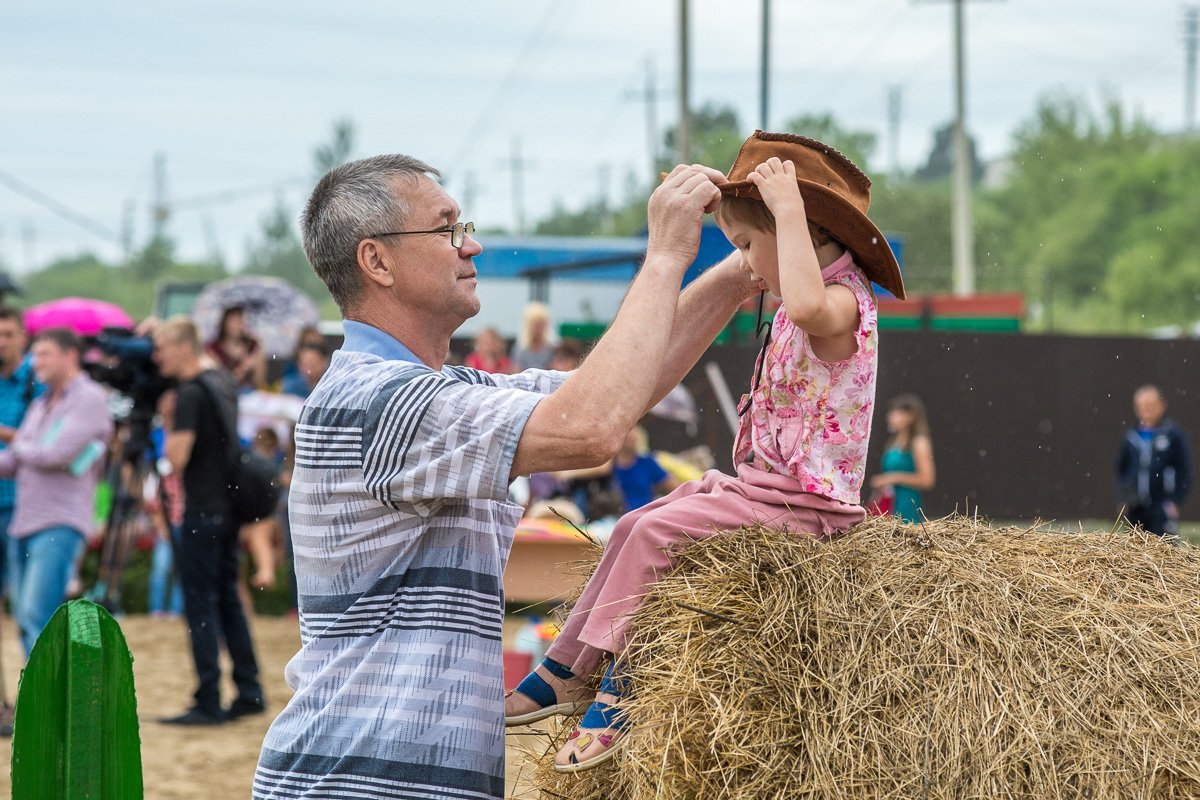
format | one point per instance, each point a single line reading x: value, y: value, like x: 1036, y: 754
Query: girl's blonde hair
x: 535, y: 311
x: 920, y: 420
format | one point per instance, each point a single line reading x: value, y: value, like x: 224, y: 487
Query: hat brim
x: 845, y: 223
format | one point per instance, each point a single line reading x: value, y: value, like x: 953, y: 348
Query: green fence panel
x: 900, y: 323
x: 586, y: 331
x: 75, y: 734
x: 977, y: 324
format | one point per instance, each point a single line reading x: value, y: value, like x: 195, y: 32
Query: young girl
x: 796, y: 210
x: 907, y: 464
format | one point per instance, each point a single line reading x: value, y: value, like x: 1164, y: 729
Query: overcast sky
x: 237, y: 94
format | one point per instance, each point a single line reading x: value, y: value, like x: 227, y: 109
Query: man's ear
x: 374, y: 263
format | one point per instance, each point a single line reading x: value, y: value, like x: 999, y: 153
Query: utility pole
x: 210, y: 237
x: 127, y: 229
x: 603, y: 182
x: 29, y: 240
x: 603, y: 191
x: 160, y: 211
x: 649, y: 97
x: 518, y: 165
x: 470, y: 191
x: 683, y: 133
x: 963, y: 237
x: 1191, y: 17
x: 894, y: 95
x: 764, y: 81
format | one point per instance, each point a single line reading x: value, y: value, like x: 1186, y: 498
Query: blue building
x: 581, y: 278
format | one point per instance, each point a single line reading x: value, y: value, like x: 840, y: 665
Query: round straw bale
x: 943, y: 660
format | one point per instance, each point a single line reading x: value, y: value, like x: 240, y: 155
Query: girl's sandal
x: 604, y: 725
x: 536, y: 688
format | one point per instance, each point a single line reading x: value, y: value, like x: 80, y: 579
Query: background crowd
x: 71, y: 468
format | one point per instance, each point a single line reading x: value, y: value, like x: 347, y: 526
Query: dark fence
x: 1023, y: 426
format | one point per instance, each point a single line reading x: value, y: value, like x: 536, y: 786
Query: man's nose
x: 471, y: 247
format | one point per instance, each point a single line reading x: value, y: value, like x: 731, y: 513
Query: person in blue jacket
x: 638, y: 473
x: 1154, y: 466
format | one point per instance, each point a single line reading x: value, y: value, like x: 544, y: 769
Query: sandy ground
x: 187, y: 763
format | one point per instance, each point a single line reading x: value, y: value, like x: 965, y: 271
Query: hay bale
x: 948, y: 660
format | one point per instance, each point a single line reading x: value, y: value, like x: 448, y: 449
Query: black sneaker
x: 244, y: 708
x: 194, y: 716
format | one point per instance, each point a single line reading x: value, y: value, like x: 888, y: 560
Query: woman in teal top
x: 907, y: 464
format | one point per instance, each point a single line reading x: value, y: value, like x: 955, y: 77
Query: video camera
x: 127, y: 365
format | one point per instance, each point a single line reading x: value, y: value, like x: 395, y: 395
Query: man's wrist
x: 661, y: 258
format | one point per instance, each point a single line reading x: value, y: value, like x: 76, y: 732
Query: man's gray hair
x: 350, y: 203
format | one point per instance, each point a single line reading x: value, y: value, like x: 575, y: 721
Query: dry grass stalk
x: 948, y: 660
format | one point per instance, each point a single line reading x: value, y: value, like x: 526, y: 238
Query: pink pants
x: 636, y: 554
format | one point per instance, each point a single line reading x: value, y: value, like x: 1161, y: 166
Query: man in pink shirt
x: 56, y: 456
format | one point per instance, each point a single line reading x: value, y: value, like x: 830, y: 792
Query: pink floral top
x: 809, y: 418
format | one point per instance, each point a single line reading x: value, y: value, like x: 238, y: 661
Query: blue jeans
x: 39, y: 567
x: 161, y: 576
x: 6, y: 515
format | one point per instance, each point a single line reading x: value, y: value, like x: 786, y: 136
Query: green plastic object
x: 585, y: 331
x: 977, y: 324
x: 75, y: 734
x: 967, y: 324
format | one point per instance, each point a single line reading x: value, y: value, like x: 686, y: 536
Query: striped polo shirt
x: 401, y: 529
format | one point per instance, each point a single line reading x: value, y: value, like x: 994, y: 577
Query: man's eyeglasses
x: 457, y: 231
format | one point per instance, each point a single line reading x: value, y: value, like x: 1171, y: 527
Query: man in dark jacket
x: 1154, y: 468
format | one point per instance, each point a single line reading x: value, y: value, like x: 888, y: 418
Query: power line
x: 58, y: 208
x: 488, y: 115
x: 229, y: 195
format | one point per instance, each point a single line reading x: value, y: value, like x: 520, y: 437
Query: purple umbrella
x: 276, y: 311
x: 83, y: 315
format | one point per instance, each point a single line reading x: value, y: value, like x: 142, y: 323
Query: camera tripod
x: 127, y: 475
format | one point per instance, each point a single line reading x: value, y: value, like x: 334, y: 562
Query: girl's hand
x: 880, y: 482
x: 776, y: 182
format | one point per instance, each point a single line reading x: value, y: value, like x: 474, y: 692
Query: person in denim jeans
x: 56, y: 456
x: 165, y: 592
x: 18, y: 388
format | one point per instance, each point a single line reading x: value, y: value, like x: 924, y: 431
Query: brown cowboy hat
x: 836, y: 196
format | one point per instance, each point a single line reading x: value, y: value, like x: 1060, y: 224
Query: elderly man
x: 56, y: 456
x: 399, y: 510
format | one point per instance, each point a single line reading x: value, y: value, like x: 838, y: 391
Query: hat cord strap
x: 763, y: 326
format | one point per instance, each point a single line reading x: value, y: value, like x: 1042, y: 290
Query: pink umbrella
x: 83, y: 315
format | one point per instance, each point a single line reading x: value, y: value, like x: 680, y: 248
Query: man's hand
x: 776, y: 182
x: 676, y: 211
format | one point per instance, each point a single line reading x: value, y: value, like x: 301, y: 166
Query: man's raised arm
x: 584, y: 422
